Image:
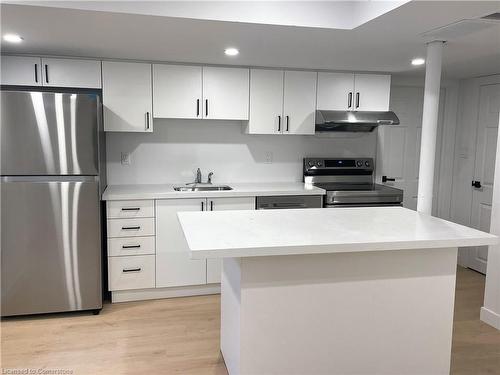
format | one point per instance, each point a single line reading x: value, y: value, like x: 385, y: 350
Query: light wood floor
x: 181, y: 336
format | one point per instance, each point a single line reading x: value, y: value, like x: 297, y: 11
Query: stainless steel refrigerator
x: 50, y: 202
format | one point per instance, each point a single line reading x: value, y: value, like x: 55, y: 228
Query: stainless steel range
x: 349, y: 182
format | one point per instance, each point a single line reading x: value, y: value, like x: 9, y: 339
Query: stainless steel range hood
x: 350, y: 121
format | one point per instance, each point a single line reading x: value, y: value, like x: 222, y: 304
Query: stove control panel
x: 311, y: 164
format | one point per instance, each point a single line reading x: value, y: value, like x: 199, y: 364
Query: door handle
x: 131, y: 228
x: 349, y: 100
x: 131, y: 246
x: 287, y: 123
x: 206, y: 107
x: 385, y: 179
x: 279, y: 123
x: 211, y: 205
x: 357, y: 100
x: 46, y: 73
x: 147, y: 120
x: 477, y: 184
x: 202, y: 206
x: 131, y: 209
x: 197, y: 107
x: 36, y: 73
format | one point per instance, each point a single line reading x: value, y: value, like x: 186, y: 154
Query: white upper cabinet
x: 127, y: 96
x: 225, y: 93
x: 21, y: 71
x: 177, y: 91
x: 71, y: 73
x: 266, y: 101
x: 335, y: 91
x: 353, y: 92
x: 372, y: 92
x: 299, y: 102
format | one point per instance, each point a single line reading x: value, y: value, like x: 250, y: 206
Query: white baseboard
x: 490, y: 317
x: 156, y: 293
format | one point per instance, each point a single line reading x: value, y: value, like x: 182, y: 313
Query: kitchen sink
x: 203, y: 188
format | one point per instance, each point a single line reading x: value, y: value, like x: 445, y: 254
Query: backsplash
x: 176, y: 148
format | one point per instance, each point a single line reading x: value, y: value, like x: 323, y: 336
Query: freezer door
x: 51, y: 250
x: 44, y: 133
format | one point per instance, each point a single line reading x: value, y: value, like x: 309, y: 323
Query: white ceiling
x: 386, y: 43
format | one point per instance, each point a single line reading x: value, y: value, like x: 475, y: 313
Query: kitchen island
x: 333, y: 291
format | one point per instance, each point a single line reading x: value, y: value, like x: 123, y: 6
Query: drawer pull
x: 131, y: 228
x: 131, y: 209
x: 131, y: 246
x: 125, y: 270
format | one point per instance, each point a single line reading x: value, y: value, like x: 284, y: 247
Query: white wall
x: 176, y: 148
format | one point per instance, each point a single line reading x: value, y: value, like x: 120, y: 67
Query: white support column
x: 490, y: 312
x: 429, y: 126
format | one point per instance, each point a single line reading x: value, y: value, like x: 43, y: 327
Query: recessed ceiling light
x: 13, y: 38
x: 418, y: 61
x: 231, y: 51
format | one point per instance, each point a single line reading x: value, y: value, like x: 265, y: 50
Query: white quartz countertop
x: 163, y: 191
x: 220, y: 234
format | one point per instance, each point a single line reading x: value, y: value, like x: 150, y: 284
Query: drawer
x: 139, y: 227
x: 131, y: 272
x: 131, y: 246
x: 130, y: 209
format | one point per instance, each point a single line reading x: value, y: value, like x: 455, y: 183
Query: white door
x: 372, y: 92
x: 173, y: 264
x: 266, y: 102
x: 177, y: 91
x: 226, y: 93
x: 398, y: 149
x: 71, y: 73
x: 127, y: 96
x: 335, y: 91
x: 21, y: 71
x: 484, y: 168
x: 299, y: 102
x: 214, y: 266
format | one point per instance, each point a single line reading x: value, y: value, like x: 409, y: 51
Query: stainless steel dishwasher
x: 289, y: 201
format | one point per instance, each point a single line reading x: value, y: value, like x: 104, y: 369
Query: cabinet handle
x: 46, y: 73
x: 385, y: 179
x: 349, y: 100
x: 131, y: 246
x: 357, y: 100
x: 131, y: 209
x: 197, y: 107
x: 287, y: 123
x: 36, y: 73
x: 147, y: 120
x: 138, y: 269
x: 211, y: 205
x: 131, y: 228
x: 202, y: 206
x: 206, y: 107
x: 279, y: 123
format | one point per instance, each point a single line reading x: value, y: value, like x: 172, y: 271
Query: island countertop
x: 221, y: 234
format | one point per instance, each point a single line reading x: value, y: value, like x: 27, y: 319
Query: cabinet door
x: 335, y: 91
x: 372, y: 92
x: 299, y: 103
x: 127, y: 96
x: 266, y: 102
x: 21, y: 71
x: 214, y: 266
x: 177, y: 91
x: 225, y: 93
x: 71, y: 73
x: 173, y: 265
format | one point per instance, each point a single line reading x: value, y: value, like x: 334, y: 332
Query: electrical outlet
x: 268, y: 157
x: 125, y: 159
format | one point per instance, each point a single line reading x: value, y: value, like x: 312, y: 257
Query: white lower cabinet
x: 214, y: 266
x: 173, y: 265
x: 131, y: 272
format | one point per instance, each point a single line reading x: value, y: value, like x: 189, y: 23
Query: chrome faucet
x: 209, y: 179
x: 198, y: 176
